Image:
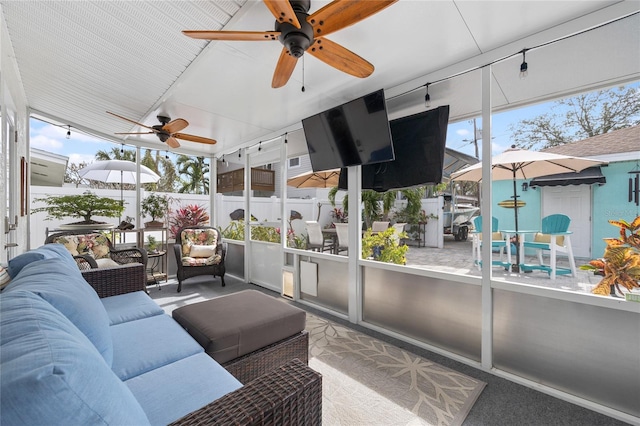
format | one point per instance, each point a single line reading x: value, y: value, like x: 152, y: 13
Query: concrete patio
x: 456, y: 257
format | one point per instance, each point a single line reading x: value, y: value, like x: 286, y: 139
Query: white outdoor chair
x: 315, y: 239
x: 398, y: 228
x: 379, y: 226
x: 556, y: 238
x: 342, y: 231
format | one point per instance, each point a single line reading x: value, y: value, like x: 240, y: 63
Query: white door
x: 575, y: 202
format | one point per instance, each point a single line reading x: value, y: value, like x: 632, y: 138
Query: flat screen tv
x: 354, y: 133
x: 419, y: 143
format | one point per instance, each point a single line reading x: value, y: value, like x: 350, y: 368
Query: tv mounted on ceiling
x: 354, y: 133
x: 419, y: 143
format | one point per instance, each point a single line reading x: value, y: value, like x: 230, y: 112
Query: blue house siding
x: 611, y: 201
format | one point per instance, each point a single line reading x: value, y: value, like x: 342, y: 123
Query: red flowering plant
x: 189, y: 215
x: 339, y: 215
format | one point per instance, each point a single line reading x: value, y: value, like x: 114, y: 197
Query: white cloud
x: 462, y: 132
x: 46, y: 143
x: 81, y: 158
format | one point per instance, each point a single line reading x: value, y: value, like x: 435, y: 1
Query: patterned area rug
x: 370, y: 382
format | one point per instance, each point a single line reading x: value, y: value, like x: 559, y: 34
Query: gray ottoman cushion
x: 231, y: 326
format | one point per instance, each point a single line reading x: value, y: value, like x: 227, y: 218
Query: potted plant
x: 83, y: 206
x: 189, y: 215
x: 385, y: 246
x: 156, y: 206
x: 152, y: 243
x: 620, y: 265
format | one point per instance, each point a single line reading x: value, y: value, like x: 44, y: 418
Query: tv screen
x: 419, y: 143
x: 350, y: 134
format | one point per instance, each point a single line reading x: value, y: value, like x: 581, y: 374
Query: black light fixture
x: 524, y: 67
x: 525, y: 186
x: 68, y: 131
x: 260, y: 146
x: 427, y: 98
x: 239, y: 153
x: 122, y: 149
x: 166, y: 155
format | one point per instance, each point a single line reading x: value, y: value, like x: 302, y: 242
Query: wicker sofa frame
x: 273, y: 394
x: 120, y: 256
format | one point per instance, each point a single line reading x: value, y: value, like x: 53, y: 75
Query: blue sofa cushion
x: 52, y: 374
x: 195, y: 381
x: 65, y: 288
x: 130, y: 307
x: 47, y: 251
x: 149, y: 343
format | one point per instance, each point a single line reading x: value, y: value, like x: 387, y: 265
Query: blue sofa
x: 68, y: 357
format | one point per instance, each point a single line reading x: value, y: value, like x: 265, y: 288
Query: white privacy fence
x: 263, y: 209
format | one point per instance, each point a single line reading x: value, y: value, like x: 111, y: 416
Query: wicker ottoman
x: 248, y: 332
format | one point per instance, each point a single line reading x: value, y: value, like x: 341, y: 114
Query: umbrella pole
x: 122, y: 196
x: 516, y: 267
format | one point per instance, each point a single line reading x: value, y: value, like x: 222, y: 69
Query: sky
x: 82, y: 148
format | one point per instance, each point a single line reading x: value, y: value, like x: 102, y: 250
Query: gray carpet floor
x: 501, y: 402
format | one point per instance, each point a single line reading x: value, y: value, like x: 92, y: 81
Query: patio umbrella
x: 323, y: 179
x: 516, y: 163
x: 117, y: 171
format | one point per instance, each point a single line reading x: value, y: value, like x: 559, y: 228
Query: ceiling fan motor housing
x: 296, y: 40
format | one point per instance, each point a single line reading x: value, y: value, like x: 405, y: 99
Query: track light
x: 524, y: 67
x: 68, y: 132
x: 427, y: 98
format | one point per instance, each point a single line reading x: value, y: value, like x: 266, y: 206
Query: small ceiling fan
x: 300, y: 32
x: 167, y: 131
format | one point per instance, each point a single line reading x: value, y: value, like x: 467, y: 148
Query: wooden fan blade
x: 340, y: 14
x: 175, y: 125
x: 172, y: 142
x: 131, y: 121
x: 284, y: 69
x: 340, y: 58
x: 134, y: 133
x: 282, y: 11
x: 233, y: 35
x: 194, y: 138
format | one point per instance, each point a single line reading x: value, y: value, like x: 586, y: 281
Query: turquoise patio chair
x: 554, y: 237
x: 498, y: 244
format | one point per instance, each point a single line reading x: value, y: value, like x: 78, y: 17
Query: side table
x: 154, y: 260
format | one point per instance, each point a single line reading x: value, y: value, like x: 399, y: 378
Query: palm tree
x: 163, y: 166
x: 195, y: 171
x: 116, y: 153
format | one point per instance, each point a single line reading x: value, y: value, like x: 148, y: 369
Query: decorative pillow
x: 47, y: 251
x: 5, y: 278
x: 202, y: 251
x: 70, y: 242
x: 201, y: 261
x: 95, y: 244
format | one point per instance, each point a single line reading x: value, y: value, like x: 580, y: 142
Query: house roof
x: 617, y: 142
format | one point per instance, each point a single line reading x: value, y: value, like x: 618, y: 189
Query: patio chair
x: 315, y: 238
x: 498, y: 244
x: 342, y: 231
x: 379, y: 226
x: 554, y: 237
x: 398, y: 228
x: 199, y: 250
x: 92, y: 250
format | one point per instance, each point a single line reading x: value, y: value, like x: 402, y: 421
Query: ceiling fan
x: 167, y: 131
x: 300, y: 32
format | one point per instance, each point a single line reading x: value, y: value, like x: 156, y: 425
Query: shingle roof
x: 616, y: 142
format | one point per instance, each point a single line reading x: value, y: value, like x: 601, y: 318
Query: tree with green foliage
x: 579, y: 117
x: 79, y: 206
x: 195, y: 171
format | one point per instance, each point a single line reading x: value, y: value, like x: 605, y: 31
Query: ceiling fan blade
x: 233, y: 35
x: 340, y: 14
x: 172, y: 142
x: 175, y: 125
x: 340, y: 58
x: 131, y: 121
x: 284, y: 69
x: 134, y: 133
x: 194, y: 138
x: 282, y: 11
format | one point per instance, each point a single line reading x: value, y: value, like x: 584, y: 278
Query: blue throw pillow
x: 51, y: 373
x: 65, y: 288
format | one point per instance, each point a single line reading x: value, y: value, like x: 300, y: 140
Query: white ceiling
x: 78, y: 59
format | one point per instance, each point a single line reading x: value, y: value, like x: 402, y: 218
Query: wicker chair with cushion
x: 199, y: 250
x: 93, y: 250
